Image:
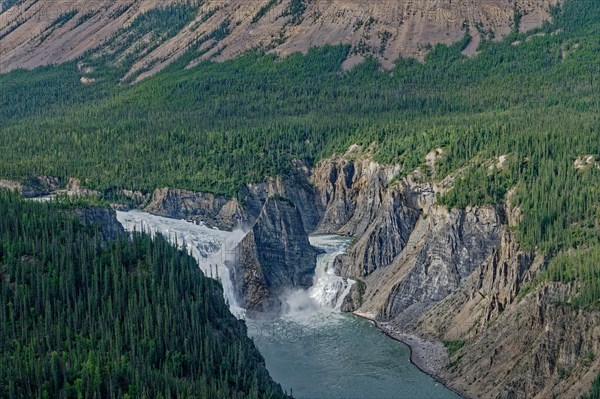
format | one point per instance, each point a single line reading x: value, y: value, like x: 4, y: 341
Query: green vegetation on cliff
x: 581, y: 269
x: 130, y: 318
x: 532, y: 97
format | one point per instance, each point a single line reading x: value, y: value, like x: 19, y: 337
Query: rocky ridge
x: 274, y: 256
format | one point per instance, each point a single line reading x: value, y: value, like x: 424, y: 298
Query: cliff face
x: 229, y: 213
x: 455, y: 275
x: 279, y: 213
x: 273, y: 257
x: 104, y: 219
x: 442, y: 251
x: 295, y: 187
x: 215, y: 211
x: 351, y: 188
x: 359, y: 202
x: 535, y: 349
x: 37, y: 32
x: 485, y: 294
x: 410, y: 252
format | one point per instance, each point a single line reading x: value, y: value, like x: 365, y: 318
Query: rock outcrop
x: 296, y: 187
x: 443, y: 251
x: 537, y: 348
x: 351, y: 188
x: 531, y: 347
x: 40, y: 186
x: 485, y: 294
x: 359, y: 201
x: 209, y: 209
x: 410, y: 252
x: 229, y: 213
x: 275, y: 256
x: 386, y: 236
x: 103, y: 219
x: 32, y: 187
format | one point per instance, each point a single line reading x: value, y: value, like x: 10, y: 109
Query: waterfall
x: 328, y: 291
x: 210, y: 247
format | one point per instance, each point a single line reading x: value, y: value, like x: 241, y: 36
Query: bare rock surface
x: 33, y: 34
x: 210, y: 209
x: 275, y: 256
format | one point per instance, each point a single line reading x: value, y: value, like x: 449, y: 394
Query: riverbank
x: 429, y: 356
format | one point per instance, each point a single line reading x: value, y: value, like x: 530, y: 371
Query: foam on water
x: 322, y: 302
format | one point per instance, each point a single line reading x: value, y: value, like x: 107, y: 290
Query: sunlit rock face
x: 38, y: 32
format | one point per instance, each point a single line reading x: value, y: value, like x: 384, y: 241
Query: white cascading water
x: 328, y: 290
x: 210, y: 247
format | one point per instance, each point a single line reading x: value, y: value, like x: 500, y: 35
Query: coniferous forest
x: 135, y: 317
x: 532, y: 97
x: 80, y: 317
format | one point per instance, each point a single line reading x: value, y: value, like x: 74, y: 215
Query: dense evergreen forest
x: 80, y: 317
x: 533, y: 97
x: 595, y: 390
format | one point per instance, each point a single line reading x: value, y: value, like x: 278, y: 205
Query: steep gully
x: 423, y: 273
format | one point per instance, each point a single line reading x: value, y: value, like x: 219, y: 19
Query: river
x: 313, y: 350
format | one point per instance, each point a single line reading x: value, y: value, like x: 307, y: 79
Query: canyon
x: 459, y: 281
x: 423, y: 272
x: 438, y: 274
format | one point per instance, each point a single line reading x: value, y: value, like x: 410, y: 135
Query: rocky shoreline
x: 429, y: 356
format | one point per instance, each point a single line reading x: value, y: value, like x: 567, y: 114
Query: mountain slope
x: 460, y: 179
x: 37, y: 32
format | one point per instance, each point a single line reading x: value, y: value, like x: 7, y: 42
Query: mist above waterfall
x: 328, y: 290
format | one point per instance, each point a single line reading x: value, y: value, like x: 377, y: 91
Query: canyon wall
x: 102, y: 219
x: 212, y: 210
x: 275, y: 256
x: 453, y: 275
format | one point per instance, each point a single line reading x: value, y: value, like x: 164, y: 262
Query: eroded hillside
x: 151, y: 34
